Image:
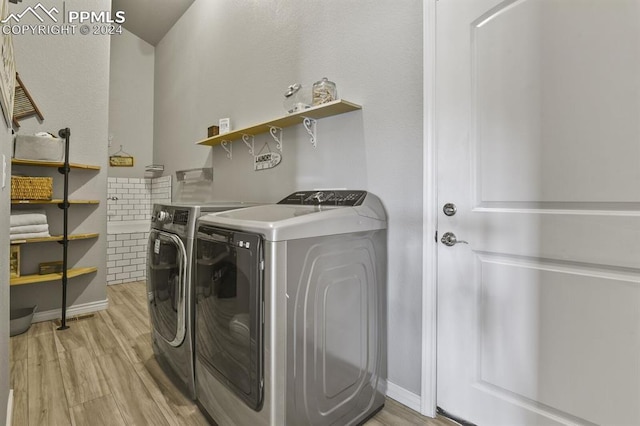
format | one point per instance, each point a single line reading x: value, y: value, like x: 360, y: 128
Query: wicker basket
x: 31, y: 188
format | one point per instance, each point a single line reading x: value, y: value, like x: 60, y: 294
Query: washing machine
x: 291, y: 311
x: 169, y: 286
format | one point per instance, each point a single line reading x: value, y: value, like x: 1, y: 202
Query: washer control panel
x: 161, y: 216
x: 164, y: 215
x: 340, y: 197
x: 180, y: 217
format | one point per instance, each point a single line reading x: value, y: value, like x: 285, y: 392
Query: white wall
x: 5, y: 204
x: 68, y: 77
x: 234, y: 59
x: 131, y: 102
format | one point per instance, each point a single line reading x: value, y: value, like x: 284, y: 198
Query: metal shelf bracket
x: 226, y: 145
x: 276, y: 134
x: 310, y: 126
x: 248, y: 141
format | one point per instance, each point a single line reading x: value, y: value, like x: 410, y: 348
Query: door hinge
x: 436, y: 237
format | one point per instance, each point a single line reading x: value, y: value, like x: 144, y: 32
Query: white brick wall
x: 127, y: 253
x: 161, y: 190
x: 132, y: 198
x: 126, y: 257
x: 128, y: 198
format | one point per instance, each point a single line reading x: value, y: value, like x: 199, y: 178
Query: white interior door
x: 538, y: 139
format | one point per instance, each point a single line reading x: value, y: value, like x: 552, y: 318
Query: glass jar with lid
x: 324, y: 91
x: 296, y: 98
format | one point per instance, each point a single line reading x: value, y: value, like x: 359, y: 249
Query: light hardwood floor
x: 101, y: 371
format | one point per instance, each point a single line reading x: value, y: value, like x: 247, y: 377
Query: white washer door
x: 166, y: 285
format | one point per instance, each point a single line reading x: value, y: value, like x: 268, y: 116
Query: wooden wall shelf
x: 63, y: 168
x: 321, y: 111
x: 18, y: 162
x: 54, y: 201
x: 55, y: 238
x: 37, y: 278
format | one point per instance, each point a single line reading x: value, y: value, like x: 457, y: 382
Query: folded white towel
x: 27, y: 217
x: 13, y: 237
x: 27, y: 229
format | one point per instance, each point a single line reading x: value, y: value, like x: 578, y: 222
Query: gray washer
x: 291, y: 311
x: 169, y: 286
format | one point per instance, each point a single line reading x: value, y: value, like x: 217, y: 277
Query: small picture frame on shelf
x: 224, y: 125
x: 14, y: 261
x: 54, y: 267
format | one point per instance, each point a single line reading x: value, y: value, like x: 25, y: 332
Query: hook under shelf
x: 227, y: 146
x: 310, y: 126
x: 249, y: 142
x: 276, y: 134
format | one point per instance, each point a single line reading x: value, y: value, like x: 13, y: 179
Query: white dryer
x: 291, y: 311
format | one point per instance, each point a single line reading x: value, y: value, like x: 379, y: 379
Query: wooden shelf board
x: 321, y: 111
x: 54, y: 201
x: 56, y: 238
x: 18, y: 162
x: 36, y: 278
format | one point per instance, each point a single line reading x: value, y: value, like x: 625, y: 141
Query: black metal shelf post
x: 64, y: 170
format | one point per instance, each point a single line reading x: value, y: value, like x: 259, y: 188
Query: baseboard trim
x: 85, y: 308
x: 403, y: 396
x: 10, y: 408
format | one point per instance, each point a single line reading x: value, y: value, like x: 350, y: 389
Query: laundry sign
x: 267, y: 160
x: 121, y: 159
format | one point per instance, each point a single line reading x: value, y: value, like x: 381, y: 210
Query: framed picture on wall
x: 7, y: 69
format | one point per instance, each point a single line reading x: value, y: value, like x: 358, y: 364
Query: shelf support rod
x: 65, y: 134
x: 276, y: 134
x: 310, y: 126
x: 248, y: 141
x: 226, y: 145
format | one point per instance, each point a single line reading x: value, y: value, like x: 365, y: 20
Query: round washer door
x: 166, y: 285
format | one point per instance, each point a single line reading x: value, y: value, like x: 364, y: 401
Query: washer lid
x: 280, y: 222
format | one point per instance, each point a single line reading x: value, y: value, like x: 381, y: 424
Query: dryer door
x: 166, y: 285
x: 229, y: 310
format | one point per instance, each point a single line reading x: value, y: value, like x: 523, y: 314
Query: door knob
x: 449, y: 239
x: 449, y: 209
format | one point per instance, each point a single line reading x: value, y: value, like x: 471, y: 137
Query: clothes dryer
x: 291, y: 311
x: 169, y: 286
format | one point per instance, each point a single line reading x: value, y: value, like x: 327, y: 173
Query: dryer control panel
x: 340, y: 197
